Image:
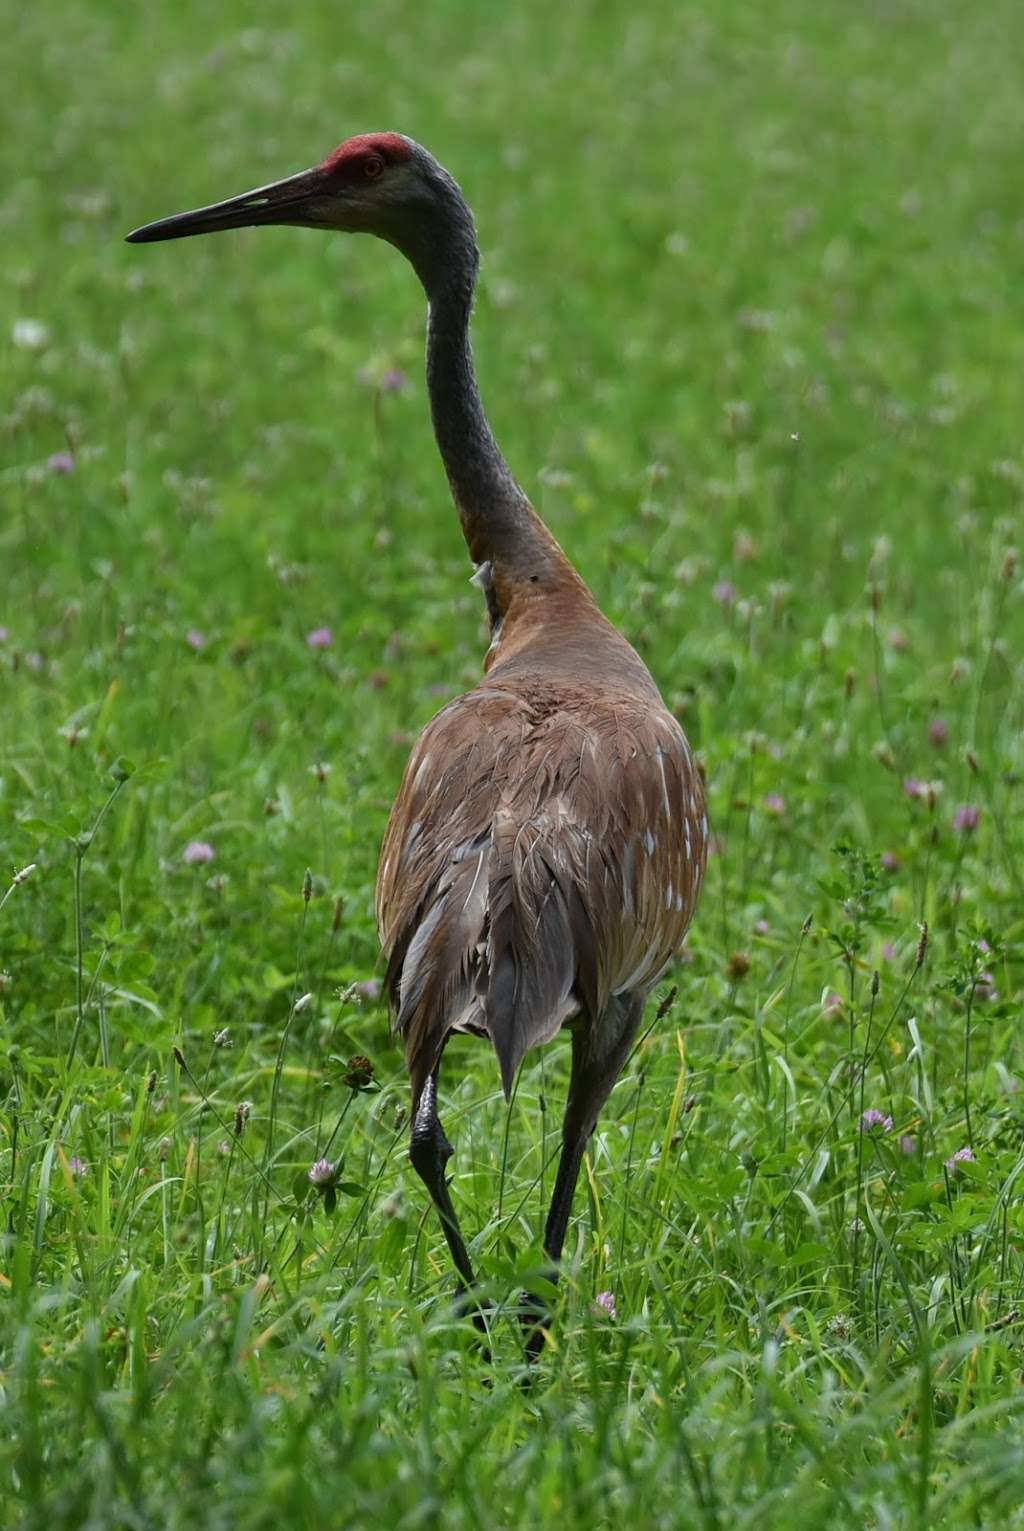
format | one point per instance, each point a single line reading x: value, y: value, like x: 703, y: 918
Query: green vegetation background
x: 750, y: 331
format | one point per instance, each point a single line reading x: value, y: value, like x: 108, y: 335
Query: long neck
x: 498, y: 521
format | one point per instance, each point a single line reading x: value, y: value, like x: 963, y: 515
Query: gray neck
x: 498, y: 522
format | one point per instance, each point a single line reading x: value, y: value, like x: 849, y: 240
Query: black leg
x: 598, y: 1056
x: 430, y: 1151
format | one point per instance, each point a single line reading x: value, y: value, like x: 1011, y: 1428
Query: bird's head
x: 376, y: 183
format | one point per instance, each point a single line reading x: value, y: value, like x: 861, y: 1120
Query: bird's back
x: 545, y: 851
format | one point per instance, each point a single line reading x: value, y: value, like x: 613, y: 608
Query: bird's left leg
x: 430, y: 1151
x: 599, y: 1053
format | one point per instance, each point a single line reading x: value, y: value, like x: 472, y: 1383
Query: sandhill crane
x: 545, y: 853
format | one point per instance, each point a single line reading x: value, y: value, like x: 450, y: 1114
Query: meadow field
x: 751, y: 332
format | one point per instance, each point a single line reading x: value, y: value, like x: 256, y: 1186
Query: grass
x: 751, y: 332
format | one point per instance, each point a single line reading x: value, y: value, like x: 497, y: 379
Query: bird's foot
x: 468, y: 1304
x: 534, y: 1319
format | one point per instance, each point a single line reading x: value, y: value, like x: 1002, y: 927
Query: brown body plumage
x: 545, y: 853
x: 546, y: 849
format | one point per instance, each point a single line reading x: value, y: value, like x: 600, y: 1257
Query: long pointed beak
x: 287, y: 201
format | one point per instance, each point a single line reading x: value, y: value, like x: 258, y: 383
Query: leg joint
x: 429, y: 1149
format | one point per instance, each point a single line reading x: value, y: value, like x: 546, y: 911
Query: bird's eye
x: 373, y: 166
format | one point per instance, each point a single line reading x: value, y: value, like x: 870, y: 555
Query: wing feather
x: 542, y: 856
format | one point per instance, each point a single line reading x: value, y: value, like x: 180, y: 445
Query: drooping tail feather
x: 527, y: 978
x: 433, y: 978
x: 496, y: 950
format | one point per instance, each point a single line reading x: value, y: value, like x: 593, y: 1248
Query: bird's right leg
x: 430, y: 1151
x: 598, y: 1056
